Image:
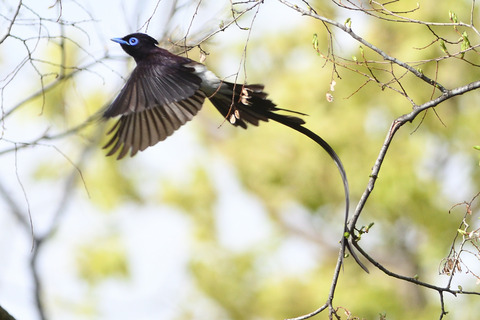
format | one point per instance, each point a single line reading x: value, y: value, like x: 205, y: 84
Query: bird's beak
x: 119, y: 40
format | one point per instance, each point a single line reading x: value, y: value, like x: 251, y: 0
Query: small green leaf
x: 370, y: 225
x: 348, y: 22
x: 476, y: 147
x: 453, y: 16
x: 315, y: 42
x: 465, y: 43
x: 442, y: 45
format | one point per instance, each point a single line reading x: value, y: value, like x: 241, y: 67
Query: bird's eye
x: 133, y: 41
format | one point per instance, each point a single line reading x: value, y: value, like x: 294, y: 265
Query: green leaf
x: 369, y: 226
x: 465, y: 43
x: 348, y: 22
x: 443, y: 47
x: 315, y: 42
x: 453, y: 16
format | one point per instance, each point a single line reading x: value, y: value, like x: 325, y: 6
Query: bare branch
x: 12, y: 22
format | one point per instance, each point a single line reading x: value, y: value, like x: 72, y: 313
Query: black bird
x: 165, y: 91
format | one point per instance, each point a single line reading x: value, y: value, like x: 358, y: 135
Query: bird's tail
x: 242, y: 104
x: 313, y: 136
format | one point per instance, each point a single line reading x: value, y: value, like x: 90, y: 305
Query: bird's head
x: 137, y: 45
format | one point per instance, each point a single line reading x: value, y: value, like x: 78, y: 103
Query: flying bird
x: 165, y: 91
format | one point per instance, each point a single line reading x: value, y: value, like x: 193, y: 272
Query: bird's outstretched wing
x: 156, y: 100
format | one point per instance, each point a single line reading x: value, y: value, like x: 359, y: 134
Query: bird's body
x: 165, y: 91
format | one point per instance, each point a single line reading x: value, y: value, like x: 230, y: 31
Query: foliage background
x: 218, y: 222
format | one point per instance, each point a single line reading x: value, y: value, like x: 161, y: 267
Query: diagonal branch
x: 397, y: 124
x: 347, y: 29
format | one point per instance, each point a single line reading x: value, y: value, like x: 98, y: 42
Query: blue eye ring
x: 133, y: 41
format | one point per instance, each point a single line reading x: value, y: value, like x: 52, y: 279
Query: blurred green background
x: 224, y: 223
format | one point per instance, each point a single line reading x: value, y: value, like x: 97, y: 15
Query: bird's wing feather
x: 153, y: 85
x: 136, y: 131
x: 156, y: 100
